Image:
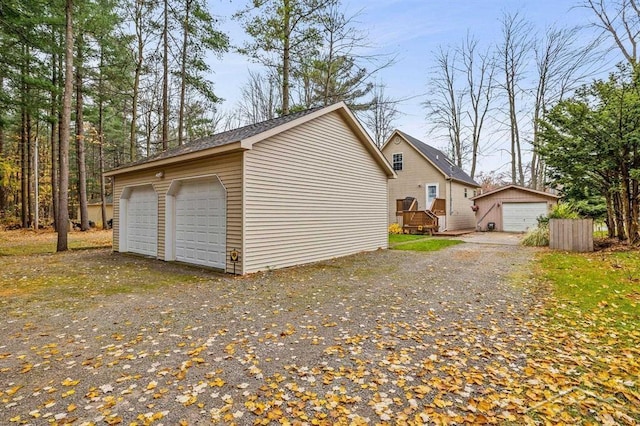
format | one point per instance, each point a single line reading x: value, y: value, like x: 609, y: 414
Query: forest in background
x: 89, y: 85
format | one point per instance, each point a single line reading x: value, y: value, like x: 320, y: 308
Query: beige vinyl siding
x: 227, y: 167
x: 411, y: 180
x: 312, y: 193
x: 459, y: 213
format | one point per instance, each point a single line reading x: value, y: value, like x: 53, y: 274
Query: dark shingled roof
x: 440, y: 160
x: 224, y: 138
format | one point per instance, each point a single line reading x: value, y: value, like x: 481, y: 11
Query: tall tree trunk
x: 63, y: 203
x: 516, y: 156
x: 165, y: 78
x: 24, y: 160
x: 80, y: 148
x: 286, y: 57
x: 619, y: 217
x: 36, y: 180
x: 3, y: 197
x: 54, y: 135
x: 610, y: 218
x: 103, y: 198
x: 133, y: 132
x: 634, y: 200
x: 183, y: 70
x: 29, y: 168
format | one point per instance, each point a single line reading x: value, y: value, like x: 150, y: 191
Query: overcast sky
x: 412, y: 30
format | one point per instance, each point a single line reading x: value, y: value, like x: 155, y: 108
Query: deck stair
x: 415, y: 220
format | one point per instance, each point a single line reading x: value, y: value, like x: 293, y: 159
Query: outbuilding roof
x: 244, y: 137
x: 438, y: 159
x: 517, y: 187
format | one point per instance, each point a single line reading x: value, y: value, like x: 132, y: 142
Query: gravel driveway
x: 390, y: 336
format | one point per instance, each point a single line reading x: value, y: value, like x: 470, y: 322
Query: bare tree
x: 381, y: 116
x: 512, y: 61
x: 444, y: 103
x: 621, y: 20
x: 260, y: 97
x: 562, y: 64
x: 479, y: 68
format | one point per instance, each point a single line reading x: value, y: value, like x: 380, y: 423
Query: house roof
x: 518, y: 187
x: 436, y: 157
x: 243, y: 138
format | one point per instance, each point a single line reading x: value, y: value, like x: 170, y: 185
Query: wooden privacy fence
x: 571, y: 234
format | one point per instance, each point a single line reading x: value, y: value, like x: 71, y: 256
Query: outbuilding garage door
x: 201, y: 222
x: 518, y: 217
x: 142, y: 221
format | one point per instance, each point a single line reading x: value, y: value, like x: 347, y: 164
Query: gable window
x: 397, y: 162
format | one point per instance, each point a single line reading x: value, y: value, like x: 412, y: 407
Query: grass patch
x: 536, y: 237
x: 429, y: 244
x: 402, y: 238
x: 31, y: 271
x: 26, y: 242
x: 75, y: 278
x: 603, y: 286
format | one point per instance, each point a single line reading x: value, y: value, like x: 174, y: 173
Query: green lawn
x: 427, y: 244
x: 26, y: 242
x: 603, y: 287
x: 403, y: 238
x: 585, y: 342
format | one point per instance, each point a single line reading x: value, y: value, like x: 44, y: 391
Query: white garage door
x: 142, y: 221
x: 201, y: 222
x: 518, y: 217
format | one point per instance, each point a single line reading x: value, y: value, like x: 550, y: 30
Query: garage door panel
x: 201, y: 223
x: 142, y: 221
x: 519, y: 217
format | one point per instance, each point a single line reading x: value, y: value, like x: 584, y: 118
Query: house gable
x: 436, y: 158
x: 420, y: 173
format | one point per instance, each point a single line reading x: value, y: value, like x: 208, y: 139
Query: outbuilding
x: 511, y: 208
x: 296, y: 189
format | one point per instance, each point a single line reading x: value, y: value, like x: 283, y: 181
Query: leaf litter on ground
x: 390, y: 337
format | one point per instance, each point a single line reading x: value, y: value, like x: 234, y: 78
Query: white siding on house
x: 312, y: 193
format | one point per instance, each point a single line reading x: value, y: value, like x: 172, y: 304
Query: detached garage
x: 296, y: 189
x: 511, y: 208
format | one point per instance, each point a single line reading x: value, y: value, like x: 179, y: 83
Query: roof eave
x: 474, y: 184
x: 163, y: 162
x: 512, y: 186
